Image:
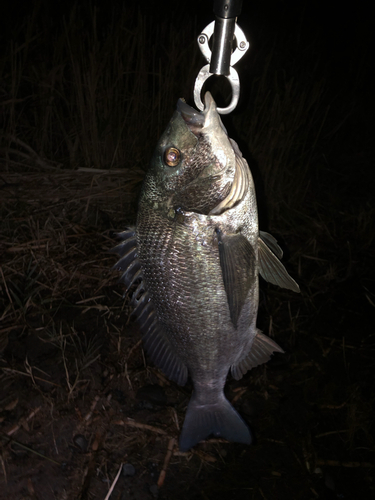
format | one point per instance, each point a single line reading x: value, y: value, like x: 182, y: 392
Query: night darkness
x: 86, y: 89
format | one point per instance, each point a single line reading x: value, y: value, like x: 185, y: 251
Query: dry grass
x: 80, y: 117
x: 92, y: 95
x: 51, y: 245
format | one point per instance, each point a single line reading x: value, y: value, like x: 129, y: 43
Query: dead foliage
x: 82, y: 413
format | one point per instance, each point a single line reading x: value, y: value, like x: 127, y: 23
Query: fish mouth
x: 194, y: 119
x: 210, y: 120
x: 197, y: 120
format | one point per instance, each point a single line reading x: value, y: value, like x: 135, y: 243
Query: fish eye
x: 172, y: 156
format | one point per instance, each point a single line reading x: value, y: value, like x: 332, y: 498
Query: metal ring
x: 234, y: 81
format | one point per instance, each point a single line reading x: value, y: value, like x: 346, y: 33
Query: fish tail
x: 219, y: 419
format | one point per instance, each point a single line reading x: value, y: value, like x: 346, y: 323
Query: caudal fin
x: 219, y: 419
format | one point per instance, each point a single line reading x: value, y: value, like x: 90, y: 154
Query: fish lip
x: 198, y: 120
x: 194, y: 119
x: 209, y: 103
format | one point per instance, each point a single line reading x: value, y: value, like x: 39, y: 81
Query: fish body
x: 197, y: 253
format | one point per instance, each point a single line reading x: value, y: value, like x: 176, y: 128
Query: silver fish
x: 196, y: 254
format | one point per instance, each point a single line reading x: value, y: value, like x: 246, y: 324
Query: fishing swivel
x: 226, y: 35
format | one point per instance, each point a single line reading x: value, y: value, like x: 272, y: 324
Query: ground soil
x: 79, y: 399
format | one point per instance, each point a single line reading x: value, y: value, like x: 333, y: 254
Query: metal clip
x: 204, y: 74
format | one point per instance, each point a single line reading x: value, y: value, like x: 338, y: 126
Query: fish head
x: 194, y: 165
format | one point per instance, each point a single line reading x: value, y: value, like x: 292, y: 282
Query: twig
x: 204, y: 456
x: 4, y: 469
x: 139, y: 425
x: 11, y: 370
x: 163, y: 472
x: 97, y: 171
x: 114, y: 483
x: 261, y: 492
x: 175, y: 418
x: 332, y: 407
x: 31, y: 153
x: 240, y: 392
x: 329, y: 433
x: 5, y: 284
x: 29, y: 370
x: 337, y: 463
x: 10, y: 328
x: 92, y: 408
x: 16, y: 427
x: 11, y: 440
x: 127, y: 359
x: 89, y: 299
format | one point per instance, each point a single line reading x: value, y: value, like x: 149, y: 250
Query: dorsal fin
x: 272, y: 270
x: 271, y: 242
x: 155, y: 341
x: 128, y: 263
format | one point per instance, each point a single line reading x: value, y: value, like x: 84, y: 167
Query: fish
x: 193, y: 262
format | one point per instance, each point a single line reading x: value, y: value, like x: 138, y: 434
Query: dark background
x: 312, y: 409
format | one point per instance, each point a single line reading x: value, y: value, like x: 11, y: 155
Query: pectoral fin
x: 237, y: 261
x: 270, y: 268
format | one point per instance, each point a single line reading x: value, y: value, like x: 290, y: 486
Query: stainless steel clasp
x: 220, y: 65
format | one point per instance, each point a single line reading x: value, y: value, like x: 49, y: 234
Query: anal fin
x: 156, y: 342
x: 260, y: 352
x: 162, y: 354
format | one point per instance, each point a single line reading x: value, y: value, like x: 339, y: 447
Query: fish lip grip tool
x: 221, y: 59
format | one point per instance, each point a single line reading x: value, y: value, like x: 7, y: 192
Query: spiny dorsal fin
x: 155, y: 341
x: 128, y: 263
